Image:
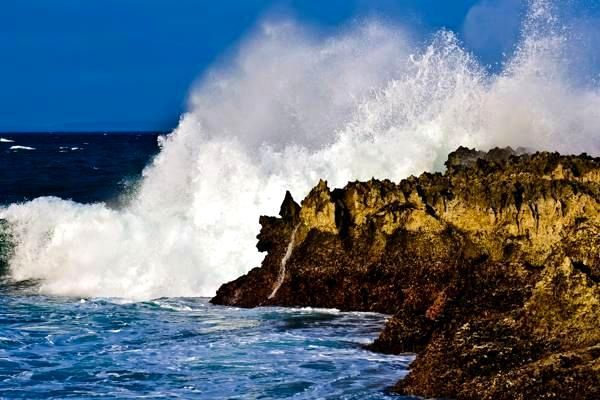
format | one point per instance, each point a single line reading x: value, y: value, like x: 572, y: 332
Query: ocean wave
x: 4, y: 140
x: 364, y: 103
x: 5, y: 247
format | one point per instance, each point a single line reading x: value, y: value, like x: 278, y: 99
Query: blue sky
x: 129, y: 64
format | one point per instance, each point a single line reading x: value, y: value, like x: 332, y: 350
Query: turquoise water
x: 187, y: 348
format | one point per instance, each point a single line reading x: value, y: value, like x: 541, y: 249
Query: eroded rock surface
x: 491, y: 271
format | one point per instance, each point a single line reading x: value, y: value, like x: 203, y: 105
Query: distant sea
x: 84, y: 167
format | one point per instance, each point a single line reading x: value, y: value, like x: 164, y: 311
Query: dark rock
x: 491, y: 271
x: 290, y: 210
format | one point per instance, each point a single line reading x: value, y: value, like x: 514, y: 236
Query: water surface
x: 187, y: 348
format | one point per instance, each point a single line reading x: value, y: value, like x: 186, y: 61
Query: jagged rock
x: 318, y: 212
x: 290, y: 210
x: 491, y: 271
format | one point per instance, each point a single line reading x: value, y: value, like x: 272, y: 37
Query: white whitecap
x: 21, y: 148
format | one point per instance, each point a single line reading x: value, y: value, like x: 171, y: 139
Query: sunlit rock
x: 491, y: 271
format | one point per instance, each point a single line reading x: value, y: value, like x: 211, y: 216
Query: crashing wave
x: 21, y: 148
x: 288, y: 109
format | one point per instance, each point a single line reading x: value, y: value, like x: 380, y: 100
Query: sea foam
x: 289, y: 108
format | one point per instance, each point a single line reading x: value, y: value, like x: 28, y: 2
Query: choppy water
x: 83, y: 167
x: 186, y: 348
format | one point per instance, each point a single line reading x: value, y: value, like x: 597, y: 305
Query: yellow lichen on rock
x: 317, y: 212
x: 566, y: 304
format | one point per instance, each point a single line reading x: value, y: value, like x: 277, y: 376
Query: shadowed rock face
x: 491, y: 271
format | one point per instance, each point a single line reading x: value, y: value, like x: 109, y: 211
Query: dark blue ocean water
x: 82, y: 167
x: 185, y: 348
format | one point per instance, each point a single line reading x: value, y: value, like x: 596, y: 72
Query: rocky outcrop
x: 491, y: 271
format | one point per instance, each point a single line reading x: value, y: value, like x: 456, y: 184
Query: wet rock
x: 491, y: 271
